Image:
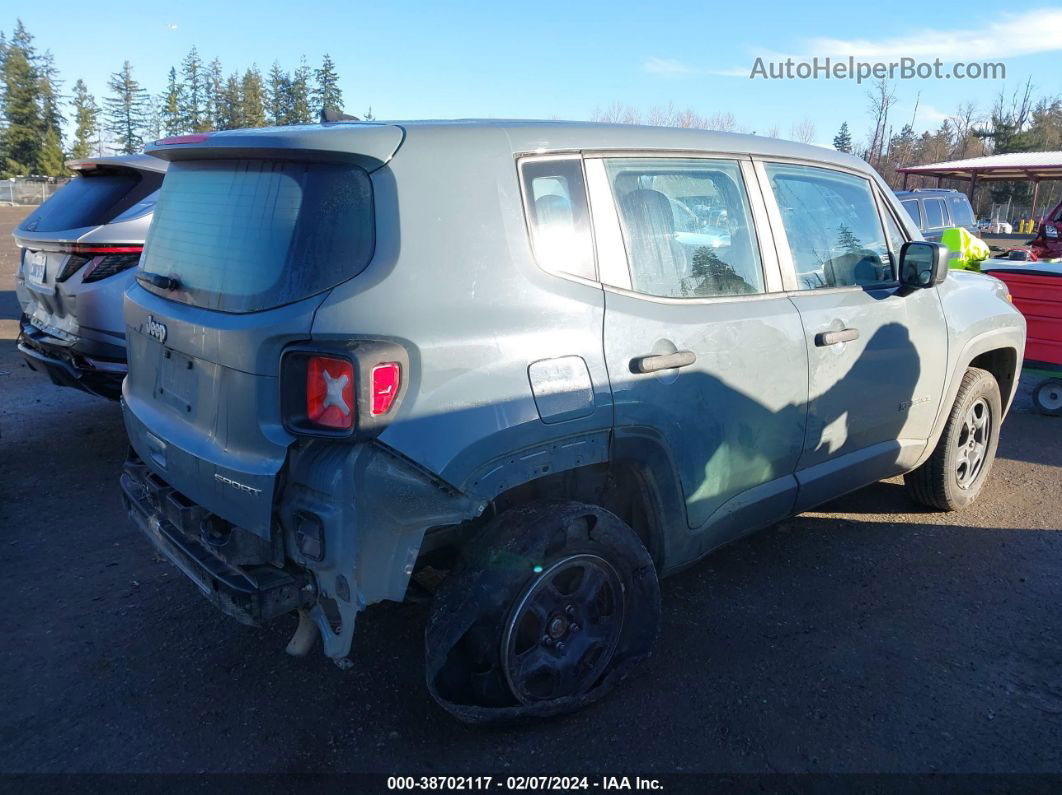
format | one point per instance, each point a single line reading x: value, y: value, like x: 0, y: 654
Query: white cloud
x: 1009, y: 36
x: 666, y: 67
x: 928, y: 115
x: 1038, y: 30
x: 733, y: 71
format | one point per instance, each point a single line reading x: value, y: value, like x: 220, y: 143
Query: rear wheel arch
x: 637, y: 483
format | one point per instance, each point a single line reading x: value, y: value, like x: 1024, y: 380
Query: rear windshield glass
x: 961, y: 212
x: 91, y: 200
x: 245, y: 235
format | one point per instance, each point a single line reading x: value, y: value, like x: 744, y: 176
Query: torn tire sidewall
x: 499, y: 563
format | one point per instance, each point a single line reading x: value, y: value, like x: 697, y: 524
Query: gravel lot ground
x: 868, y: 636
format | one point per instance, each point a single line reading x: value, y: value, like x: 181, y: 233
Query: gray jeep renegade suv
x: 529, y: 368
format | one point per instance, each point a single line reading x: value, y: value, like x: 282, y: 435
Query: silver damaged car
x: 79, y: 251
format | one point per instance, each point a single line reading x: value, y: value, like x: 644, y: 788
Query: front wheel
x: 550, y: 606
x: 956, y: 472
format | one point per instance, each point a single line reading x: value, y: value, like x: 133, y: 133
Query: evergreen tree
x: 252, y: 99
x: 847, y: 240
x: 153, y: 127
x: 194, y: 112
x: 51, y: 162
x: 327, y: 93
x: 171, y: 104
x: 23, y: 127
x: 842, y: 142
x: 51, y: 85
x: 128, y: 110
x: 278, y: 95
x: 300, y: 107
x: 230, y: 115
x: 215, y: 91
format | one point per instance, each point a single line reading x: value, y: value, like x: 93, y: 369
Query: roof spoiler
x: 368, y: 144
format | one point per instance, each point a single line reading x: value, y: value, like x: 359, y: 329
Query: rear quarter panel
x: 453, y: 281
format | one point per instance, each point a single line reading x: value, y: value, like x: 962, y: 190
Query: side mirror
x: 923, y: 264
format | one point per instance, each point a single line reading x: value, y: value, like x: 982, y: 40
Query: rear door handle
x: 670, y: 361
x: 836, y: 337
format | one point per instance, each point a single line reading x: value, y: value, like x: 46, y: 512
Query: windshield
x: 246, y: 235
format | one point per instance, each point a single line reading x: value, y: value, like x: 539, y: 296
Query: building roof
x: 1016, y: 165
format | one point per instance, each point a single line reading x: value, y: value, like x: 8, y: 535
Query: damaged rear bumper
x: 346, y: 533
x: 178, y: 529
x: 67, y: 366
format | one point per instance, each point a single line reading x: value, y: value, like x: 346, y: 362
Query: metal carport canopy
x: 1035, y: 166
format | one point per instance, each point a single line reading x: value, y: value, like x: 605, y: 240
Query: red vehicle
x: 1048, y: 241
x: 1036, y: 288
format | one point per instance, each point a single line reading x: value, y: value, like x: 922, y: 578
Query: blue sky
x: 564, y: 59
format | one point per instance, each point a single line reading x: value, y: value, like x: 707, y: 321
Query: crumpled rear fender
x: 371, y: 508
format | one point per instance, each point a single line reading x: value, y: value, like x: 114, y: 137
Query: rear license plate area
x: 177, y: 380
x: 37, y: 268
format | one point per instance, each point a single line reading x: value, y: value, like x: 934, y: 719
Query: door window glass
x: 832, y: 223
x: 686, y: 226
x: 558, y: 216
x: 934, y: 213
x: 911, y: 205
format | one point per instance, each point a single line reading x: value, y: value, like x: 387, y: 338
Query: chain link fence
x: 28, y: 190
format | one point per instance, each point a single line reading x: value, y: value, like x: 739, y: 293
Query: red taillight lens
x: 386, y: 380
x: 330, y: 392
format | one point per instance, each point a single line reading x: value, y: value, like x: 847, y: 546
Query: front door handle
x: 670, y: 361
x: 836, y: 337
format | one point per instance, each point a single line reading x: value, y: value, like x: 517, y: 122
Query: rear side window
x: 934, y: 213
x: 833, y: 227
x: 246, y: 235
x: 911, y: 205
x: 92, y: 200
x: 686, y: 226
x: 558, y: 216
x: 961, y: 212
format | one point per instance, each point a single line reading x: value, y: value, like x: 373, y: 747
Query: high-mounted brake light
x: 386, y: 380
x: 330, y: 392
x: 195, y: 138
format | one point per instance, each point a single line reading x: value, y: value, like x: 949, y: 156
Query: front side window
x: 833, y: 227
x: 558, y: 216
x: 686, y: 226
x: 934, y: 213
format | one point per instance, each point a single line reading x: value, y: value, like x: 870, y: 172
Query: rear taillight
x: 108, y: 265
x: 353, y: 392
x: 330, y: 392
x: 386, y: 380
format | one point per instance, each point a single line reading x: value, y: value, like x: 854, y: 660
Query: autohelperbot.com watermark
x: 852, y: 69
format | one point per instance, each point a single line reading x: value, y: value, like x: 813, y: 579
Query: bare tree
x: 882, y: 97
x: 723, y: 121
x: 964, y: 122
x: 804, y: 131
x: 617, y: 113
x: 666, y: 116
